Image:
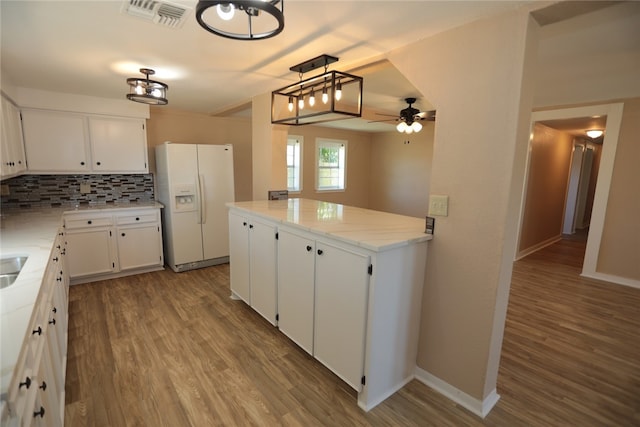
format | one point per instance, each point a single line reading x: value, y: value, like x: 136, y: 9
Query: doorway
x: 613, y: 114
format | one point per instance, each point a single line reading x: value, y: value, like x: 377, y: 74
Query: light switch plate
x: 438, y: 205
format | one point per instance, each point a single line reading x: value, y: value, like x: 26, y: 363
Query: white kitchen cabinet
x: 55, y: 142
x: 107, y: 243
x: 296, y: 285
x: 13, y: 161
x: 118, y: 145
x: 36, y: 392
x: 61, y: 143
x: 252, y: 243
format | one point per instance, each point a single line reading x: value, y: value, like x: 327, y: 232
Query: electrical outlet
x: 85, y: 188
x: 438, y: 205
x: 4, y: 190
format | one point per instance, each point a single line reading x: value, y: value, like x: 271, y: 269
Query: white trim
x: 613, y: 279
x: 480, y: 408
x: 362, y: 404
x: 605, y: 171
x: 538, y: 246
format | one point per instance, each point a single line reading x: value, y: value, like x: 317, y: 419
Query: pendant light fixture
x: 147, y: 91
x: 341, y: 95
x: 241, y: 20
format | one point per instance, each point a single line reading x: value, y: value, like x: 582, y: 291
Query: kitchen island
x: 343, y: 283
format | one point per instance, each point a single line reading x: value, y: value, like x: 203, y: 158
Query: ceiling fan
x: 409, y: 118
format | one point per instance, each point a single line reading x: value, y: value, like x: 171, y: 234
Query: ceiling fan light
x: 416, y: 126
x: 226, y: 11
x: 402, y: 126
x: 594, y: 133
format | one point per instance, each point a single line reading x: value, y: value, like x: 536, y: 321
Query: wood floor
x: 167, y: 349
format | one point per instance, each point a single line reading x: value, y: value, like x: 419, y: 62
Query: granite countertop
x: 32, y: 233
x: 373, y: 230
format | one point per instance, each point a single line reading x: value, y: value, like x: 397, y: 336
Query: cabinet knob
x: 43, y: 386
x: 26, y: 383
x: 37, y: 331
x: 320, y: 252
x: 98, y: 163
x: 137, y: 219
x: 58, y: 247
x: 81, y: 163
x: 55, y: 310
x: 250, y: 225
x: 52, y: 321
x: 123, y: 234
x: 59, y: 279
x: 40, y: 413
x: 244, y: 224
x: 89, y: 222
x: 309, y: 248
x: 55, y: 259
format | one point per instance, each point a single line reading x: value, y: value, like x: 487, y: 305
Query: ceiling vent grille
x: 159, y: 12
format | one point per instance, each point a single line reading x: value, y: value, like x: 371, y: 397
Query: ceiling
x: 91, y: 47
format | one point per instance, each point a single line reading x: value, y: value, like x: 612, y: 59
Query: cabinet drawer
x: 88, y: 221
x: 137, y: 218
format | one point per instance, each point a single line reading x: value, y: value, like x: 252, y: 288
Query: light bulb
x: 156, y: 92
x: 291, y: 103
x: 338, y: 91
x: 301, y: 102
x: 408, y: 130
x: 226, y: 11
x: 402, y: 126
x: 139, y: 89
x: 325, y: 96
x: 416, y: 126
x: 312, y: 99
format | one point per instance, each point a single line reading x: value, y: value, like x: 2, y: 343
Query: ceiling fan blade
x: 421, y: 114
x: 380, y: 121
x: 390, y: 115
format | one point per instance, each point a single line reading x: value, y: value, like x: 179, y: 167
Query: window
x: 331, y: 164
x: 294, y: 164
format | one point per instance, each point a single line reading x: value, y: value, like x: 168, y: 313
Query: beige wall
x: 549, y: 161
x: 166, y: 124
x: 483, y: 102
x: 620, y: 246
x: 358, y: 165
x: 400, y: 171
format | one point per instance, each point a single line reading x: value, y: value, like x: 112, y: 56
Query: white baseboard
x: 528, y: 251
x: 480, y: 408
x: 613, y: 279
x: 367, y: 406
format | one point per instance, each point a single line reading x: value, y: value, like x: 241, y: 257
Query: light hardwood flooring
x: 167, y: 349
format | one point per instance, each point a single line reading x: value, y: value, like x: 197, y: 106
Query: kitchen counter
x: 30, y: 233
x: 373, y: 230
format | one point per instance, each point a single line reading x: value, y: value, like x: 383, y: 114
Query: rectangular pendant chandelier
x: 330, y: 96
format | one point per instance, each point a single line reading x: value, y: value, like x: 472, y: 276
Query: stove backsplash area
x: 43, y: 191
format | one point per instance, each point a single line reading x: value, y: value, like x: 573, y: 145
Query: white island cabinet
x: 349, y: 286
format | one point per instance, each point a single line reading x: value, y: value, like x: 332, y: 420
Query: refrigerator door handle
x: 203, y: 212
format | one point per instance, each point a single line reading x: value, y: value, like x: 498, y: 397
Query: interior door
x: 215, y: 167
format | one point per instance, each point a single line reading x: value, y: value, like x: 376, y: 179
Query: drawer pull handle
x: 43, y: 386
x: 320, y: 252
x: 26, y: 383
x: 89, y: 222
x: 40, y: 412
x: 52, y: 321
x: 309, y: 248
x: 37, y: 331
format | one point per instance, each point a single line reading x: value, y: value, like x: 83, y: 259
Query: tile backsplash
x: 42, y: 191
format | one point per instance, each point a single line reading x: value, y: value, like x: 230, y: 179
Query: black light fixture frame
x: 149, y: 86
x: 303, y: 88
x: 252, y: 9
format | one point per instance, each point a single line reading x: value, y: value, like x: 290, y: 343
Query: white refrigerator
x: 194, y: 183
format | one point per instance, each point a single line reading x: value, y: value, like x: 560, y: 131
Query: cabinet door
x: 118, y: 144
x: 89, y: 252
x: 239, y: 256
x: 139, y: 246
x: 262, y: 261
x: 341, y: 302
x: 55, y: 142
x: 296, y: 264
x: 13, y: 160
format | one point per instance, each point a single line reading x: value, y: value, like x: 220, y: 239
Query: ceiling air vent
x: 159, y: 12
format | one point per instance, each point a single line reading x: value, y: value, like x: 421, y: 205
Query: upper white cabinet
x: 59, y: 142
x: 13, y: 160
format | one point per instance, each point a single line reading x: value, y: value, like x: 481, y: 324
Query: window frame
x: 300, y: 140
x: 331, y: 143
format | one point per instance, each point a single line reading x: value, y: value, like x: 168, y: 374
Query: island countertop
x: 373, y: 230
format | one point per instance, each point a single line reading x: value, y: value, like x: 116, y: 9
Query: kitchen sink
x: 9, y: 269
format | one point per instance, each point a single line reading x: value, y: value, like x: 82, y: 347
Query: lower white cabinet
x: 113, y: 242
x: 252, y: 247
x: 36, y: 392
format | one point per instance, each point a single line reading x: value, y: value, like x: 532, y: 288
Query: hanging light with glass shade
x: 147, y: 91
x: 241, y: 20
x: 340, y: 95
